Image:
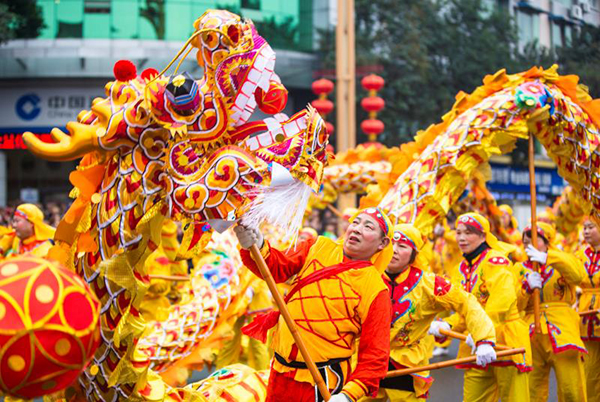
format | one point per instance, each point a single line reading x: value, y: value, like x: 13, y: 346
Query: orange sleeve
x: 282, y: 265
x: 373, y: 350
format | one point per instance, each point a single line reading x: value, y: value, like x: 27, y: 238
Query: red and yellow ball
x: 49, y: 326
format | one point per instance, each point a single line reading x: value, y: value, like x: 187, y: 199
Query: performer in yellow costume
x: 559, y: 345
x: 590, y: 300
x: 417, y: 297
x: 338, y: 294
x: 487, y: 274
x: 32, y: 234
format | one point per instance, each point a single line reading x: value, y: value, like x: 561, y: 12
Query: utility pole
x: 345, y: 100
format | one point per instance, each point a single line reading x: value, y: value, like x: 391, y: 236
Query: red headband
x: 540, y: 231
x: 376, y: 214
x: 470, y: 221
x: 21, y: 215
x: 401, y: 238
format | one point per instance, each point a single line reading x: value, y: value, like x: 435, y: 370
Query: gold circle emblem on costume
x: 94, y: 369
x: 2, y: 311
x: 9, y: 269
x: 62, y: 347
x: 44, y: 294
x: 16, y: 363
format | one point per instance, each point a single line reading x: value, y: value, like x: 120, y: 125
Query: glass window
x: 125, y: 19
x: 529, y: 26
x: 69, y: 19
x: 251, y: 4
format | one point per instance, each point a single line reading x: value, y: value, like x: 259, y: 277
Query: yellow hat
x: 35, y: 215
x: 546, y: 230
x: 408, y: 234
x: 349, y: 213
x: 509, y: 211
x: 307, y: 230
x: 480, y: 223
x: 382, y: 258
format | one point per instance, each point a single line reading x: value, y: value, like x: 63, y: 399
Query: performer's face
x: 468, y: 239
x: 403, y: 257
x: 23, y: 228
x: 541, y: 244
x: 364, y: 238
x: 591, y: 233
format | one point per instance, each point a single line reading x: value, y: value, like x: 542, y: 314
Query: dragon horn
x: 83, y: 139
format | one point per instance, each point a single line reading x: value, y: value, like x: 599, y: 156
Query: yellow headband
x: 35, y: 215
x: 472, y: 219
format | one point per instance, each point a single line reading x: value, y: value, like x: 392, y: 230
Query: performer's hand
x: 534, y: 280
x: 535, y: 255
x: 341, y: 397
x: 434, y: 328
x: 485, y: 354
x: 470, y: 342
x: 248, y: 236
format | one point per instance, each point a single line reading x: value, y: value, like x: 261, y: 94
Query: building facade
x: 46, y: 81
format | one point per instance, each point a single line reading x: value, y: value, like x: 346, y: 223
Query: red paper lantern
x: 323, y: 106
x: 322, y: 86
x: 330, y: 127
x: 372, y: 82
x: 372, y: 126
x: 49, y: 327
x: 274, y: 100
x: 372, y: 103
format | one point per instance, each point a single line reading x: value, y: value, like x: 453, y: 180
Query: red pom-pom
x: 149, y: 73
x: 124, y: 70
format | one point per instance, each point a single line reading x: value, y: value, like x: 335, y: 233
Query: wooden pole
x: 463, y: 337
x: 335, y: 211
x: 345, y: 88
x: 449, y: 363
x: 310, y: 364
x: 532, y: 190
x: 589, y: 312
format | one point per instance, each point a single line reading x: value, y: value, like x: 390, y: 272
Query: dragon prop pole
x: 532, y: 190
x: 449, y: 363
x: 463, y: 337
x: 310, y: 364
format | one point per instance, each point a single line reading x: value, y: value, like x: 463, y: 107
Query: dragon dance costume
x: 488, y: 275
x: 590, y: 324
x: 345, y: 298
x: 417, y: 297
x: 40, y: 242
x: 559, y: 345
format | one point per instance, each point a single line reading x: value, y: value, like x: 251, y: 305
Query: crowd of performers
x: 381, y: 297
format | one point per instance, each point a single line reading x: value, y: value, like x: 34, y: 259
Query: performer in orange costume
x: 589, y: 327
x: 32, y: 234
x: 417, y: 297
x: 337, y: 295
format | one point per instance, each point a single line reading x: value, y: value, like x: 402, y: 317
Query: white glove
x: 248, y: 236
x: 535, y: 255
x: 485, y: 354
x: 434, y: 328
x: 341, y: 397
x: 470, y: 342
x: 534, y: 280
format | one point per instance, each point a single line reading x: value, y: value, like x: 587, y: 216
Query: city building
x: 46, y: 81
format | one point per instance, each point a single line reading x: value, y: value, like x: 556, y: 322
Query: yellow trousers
x: 505, y: 383
x: 568, y: 368
x: 393, y: 395
x: 257, y: 356
x: 592, y: 370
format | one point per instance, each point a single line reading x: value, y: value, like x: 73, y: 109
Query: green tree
x: 20, y: 19
x: 581, y: 56
x: 430, y: 50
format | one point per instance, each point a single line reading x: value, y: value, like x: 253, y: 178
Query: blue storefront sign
x: 509, y: 182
